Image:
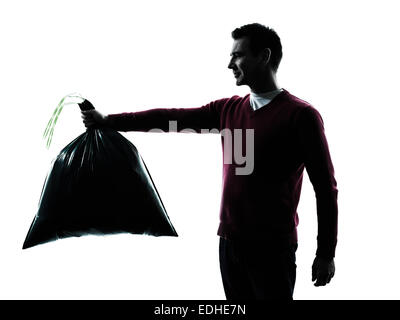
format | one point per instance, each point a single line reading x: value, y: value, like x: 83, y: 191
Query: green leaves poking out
x: 48, y: 133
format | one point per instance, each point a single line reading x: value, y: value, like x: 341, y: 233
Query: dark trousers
x: 252, y: 270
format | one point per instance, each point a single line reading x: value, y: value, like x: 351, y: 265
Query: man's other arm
x: 320, y: 169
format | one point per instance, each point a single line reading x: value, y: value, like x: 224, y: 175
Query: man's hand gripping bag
x: 98, y: 184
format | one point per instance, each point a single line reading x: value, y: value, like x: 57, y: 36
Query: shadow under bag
x: 98, y: 184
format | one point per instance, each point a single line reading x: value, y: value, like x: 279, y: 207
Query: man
x: 258, y: 218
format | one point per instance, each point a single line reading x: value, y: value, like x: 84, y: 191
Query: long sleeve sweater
x: 288, y: 136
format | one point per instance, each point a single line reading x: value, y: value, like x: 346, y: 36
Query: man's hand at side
x: 322, y: 271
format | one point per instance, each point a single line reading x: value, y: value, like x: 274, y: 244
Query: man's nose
x: 231, y: 64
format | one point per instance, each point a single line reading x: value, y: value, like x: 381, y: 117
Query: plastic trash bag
x: 98, y: 184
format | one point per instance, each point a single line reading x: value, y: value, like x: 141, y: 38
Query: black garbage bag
x: 98, y: 184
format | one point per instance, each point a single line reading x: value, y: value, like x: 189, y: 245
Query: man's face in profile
x: 245, y: 65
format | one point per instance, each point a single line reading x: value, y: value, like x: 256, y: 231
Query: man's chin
x: 239, y: 82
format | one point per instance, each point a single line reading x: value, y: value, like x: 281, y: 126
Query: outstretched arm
x: 177, y: 119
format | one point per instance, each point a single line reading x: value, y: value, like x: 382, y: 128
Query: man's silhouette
x: 258, y: 217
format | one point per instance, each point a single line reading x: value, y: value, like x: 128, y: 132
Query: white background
x: 341, y: 56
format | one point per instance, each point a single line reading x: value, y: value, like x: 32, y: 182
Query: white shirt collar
x: 259, y: 100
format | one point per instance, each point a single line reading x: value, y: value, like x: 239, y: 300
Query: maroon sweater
x: 288, y: 136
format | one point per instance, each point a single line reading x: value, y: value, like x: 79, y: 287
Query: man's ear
x: 266, y: 55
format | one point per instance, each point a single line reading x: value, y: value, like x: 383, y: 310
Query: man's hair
x: 261, y: 37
